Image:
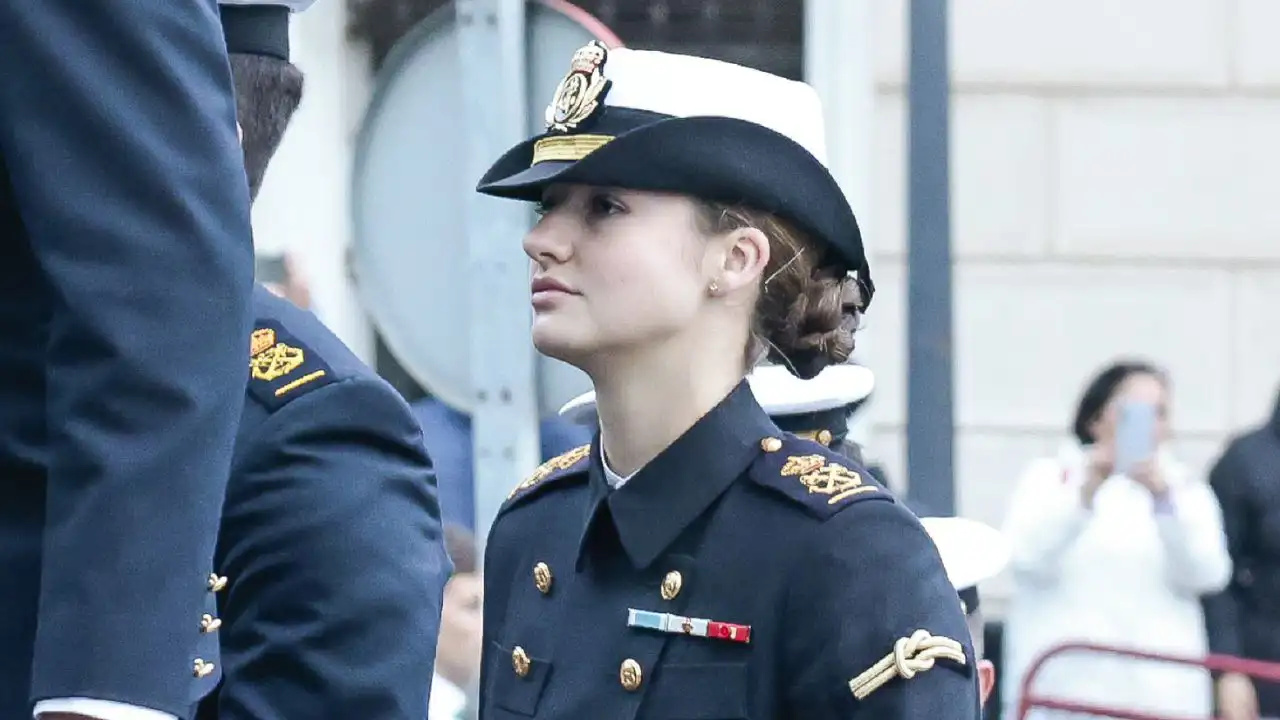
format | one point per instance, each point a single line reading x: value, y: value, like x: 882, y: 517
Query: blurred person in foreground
x: 646, y: 575
x: 1114, y: 558
x: 457, y: 671
x: 124, y: 307
x: 1244, y: 620
x: 330, y: 562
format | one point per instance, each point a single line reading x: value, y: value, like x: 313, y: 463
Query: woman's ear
x: 986, y: 679
x: 745, y: 255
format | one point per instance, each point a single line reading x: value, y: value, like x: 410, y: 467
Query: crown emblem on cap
x: 580, y: 93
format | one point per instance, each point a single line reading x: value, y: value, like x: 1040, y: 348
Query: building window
x: 763, y: 34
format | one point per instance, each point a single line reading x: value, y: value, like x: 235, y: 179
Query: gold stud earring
x: 713, y: 288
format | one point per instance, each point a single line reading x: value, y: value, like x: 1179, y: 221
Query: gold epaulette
x: 555, y: 467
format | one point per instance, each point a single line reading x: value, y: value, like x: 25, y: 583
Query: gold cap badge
x: 580, y: 93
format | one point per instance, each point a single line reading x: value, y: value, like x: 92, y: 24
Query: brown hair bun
x: 809, y: 308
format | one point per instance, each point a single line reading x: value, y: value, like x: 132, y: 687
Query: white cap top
x: 689, y: 86
x: 778, y: 391
x: 972, y: 552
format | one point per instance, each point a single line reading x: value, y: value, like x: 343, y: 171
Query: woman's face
x: 1137, y: 388
x: 613, y: 269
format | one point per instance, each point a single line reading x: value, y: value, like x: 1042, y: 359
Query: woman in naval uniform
x: 819, y: 409
x: 695, y: 561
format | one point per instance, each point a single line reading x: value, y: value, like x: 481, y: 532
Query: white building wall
x: 1115, y: 169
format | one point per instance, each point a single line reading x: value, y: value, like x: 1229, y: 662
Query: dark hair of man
x: 268, y: 91
x: 1100, y: 391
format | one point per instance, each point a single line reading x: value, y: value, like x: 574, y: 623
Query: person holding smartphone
x: 1113, y: 542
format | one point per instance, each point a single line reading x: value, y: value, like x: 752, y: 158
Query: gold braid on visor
x: 567, y: 147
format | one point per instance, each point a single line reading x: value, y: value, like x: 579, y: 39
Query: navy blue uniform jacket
x: 821, y: 574
x: 331, y: 545
x: 1244, y: 619
x: 126, y: 267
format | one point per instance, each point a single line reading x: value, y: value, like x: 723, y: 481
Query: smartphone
x: 270, y: 269
x: 1135, y: 439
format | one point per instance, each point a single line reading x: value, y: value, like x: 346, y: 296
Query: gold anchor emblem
x: 835, y: 480
x: 275, y: 362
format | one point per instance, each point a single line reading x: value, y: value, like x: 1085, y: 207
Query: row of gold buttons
x: 208, y: 623
x: 543, y: 579
x: 630, y: 674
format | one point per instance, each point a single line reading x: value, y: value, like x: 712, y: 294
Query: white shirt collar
x: 614, y: 479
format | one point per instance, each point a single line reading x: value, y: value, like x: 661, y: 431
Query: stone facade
x: 1113, y: 174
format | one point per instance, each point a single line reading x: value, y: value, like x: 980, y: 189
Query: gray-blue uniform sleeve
x: 871, y: 577
x: 334, y: 551
x: 117, y: 133
x: 1229, y: 480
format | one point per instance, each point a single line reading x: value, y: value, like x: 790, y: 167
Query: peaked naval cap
x: 647, y: 120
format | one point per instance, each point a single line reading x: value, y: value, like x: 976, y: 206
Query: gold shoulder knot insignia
x: 555, y: 464
x: 910, y: 656
x: 825, y: 478
x: 578, y: 95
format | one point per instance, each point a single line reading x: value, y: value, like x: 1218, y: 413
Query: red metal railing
x: 589, y: 22
x: 1258, y: 670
